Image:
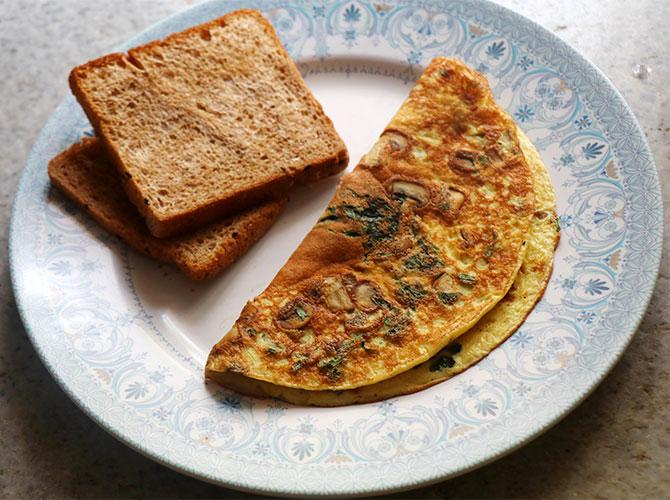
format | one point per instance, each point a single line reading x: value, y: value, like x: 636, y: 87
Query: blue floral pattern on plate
x: 610, y: 215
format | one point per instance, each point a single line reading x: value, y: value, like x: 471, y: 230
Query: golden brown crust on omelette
x: 419, y: 241
x: 491, y: 330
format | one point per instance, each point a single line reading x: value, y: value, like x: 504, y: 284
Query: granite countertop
x: 614, y: 445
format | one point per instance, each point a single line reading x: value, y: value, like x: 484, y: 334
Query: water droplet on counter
x: 641, y: 71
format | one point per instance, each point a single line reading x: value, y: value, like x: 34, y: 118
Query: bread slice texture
x: 207, y: 122
x: 85, y: 174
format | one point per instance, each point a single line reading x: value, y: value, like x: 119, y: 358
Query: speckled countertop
x: 614, y: 445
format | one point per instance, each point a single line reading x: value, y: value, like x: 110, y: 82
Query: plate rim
x: 22, y: 296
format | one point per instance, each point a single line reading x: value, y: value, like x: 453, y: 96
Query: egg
x: 411, y: 252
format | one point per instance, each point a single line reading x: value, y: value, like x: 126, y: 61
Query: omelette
x: 496, y: 326
x: 420, y: 241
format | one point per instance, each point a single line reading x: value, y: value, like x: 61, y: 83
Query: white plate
x: 127, y: 338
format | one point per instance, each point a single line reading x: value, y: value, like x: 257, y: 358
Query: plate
x: 127, y: 338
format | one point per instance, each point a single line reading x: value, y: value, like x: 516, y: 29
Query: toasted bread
x: 85, y: 174
x: 207, y: 122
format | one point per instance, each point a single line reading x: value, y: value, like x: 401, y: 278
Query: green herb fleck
x: 379, y: 301
x: 427, y: 246
x: 301, y: 313
x: 299, y: 362
x: 425, y: 259
x: 352, y: 234
x: 441, y: 363
x: 378, y: 220
x: 400, y: 197
x: 446, y: 360
x: 557, y: 224
x: 395, y: 324
x: 348, y: 344
x: 467, y: 279
x: 448, y: 298
x: 418, y: 261
x: 350, y: 212
x: 482, y: 158
x: 453, y: 348
x: 274, y: 349
x: 332, y: 366
x: 272, y: 346
x: 410, y: 294
x: 488, y: 251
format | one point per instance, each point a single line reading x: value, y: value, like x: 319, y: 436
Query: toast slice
x: 85, y: 174
x: 207, y: 122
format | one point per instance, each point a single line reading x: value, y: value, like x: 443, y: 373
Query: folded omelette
x: 496, y: 326
x: 419, y: 242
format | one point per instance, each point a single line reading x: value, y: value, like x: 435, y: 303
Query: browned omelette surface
x: 422, y: 239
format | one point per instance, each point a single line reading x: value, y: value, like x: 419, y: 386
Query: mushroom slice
x: 444, y: 283
x: 412, y: 190
x: 336, y: 296
x: 397, y: 141
x: 449, y: 199
x: 493, y: 155
x: 367, y: 296
x: 295, y: 314
x: 467, y: 238
x: 456, y: 198
x: 391, y: 142
x: 464, y: 161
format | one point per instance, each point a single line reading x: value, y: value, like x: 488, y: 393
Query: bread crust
x: 161, y: 225
x: 82, y: 172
